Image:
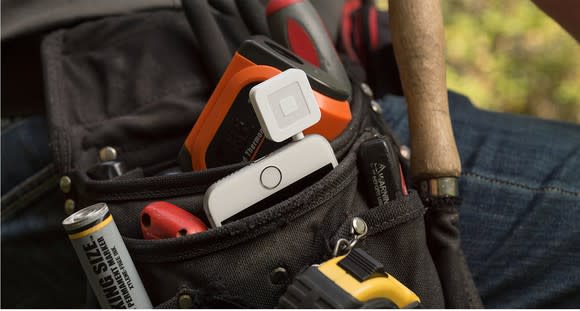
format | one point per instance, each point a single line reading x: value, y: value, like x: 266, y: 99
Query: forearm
x: 564, y: 12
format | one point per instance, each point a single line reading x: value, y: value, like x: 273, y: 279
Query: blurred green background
x: 509, y: 56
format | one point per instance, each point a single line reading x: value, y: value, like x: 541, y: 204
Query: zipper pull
x: 358, y: 231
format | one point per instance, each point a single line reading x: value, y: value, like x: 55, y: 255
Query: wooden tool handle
x: 418, y: 40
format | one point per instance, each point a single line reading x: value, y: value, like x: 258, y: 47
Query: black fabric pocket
x: 397, y: 238
x: 228, y: 260
x: 235, y: 264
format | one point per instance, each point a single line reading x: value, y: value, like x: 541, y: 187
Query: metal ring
x: 338, y: 244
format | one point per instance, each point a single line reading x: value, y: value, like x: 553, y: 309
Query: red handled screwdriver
x: 296, y: 25
x: 163, y: 220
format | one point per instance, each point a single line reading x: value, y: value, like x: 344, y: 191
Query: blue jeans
x: 520, y: 217
x: 39, y: 266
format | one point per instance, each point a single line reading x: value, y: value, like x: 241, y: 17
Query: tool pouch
x: 135, y: 82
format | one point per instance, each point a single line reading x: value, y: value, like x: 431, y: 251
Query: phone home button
x: 270, y: 177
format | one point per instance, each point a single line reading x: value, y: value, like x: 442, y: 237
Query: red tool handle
x: 163, y: 220
x: 296, y: 25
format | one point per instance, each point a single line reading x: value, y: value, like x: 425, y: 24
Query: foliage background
x: 509, y: 56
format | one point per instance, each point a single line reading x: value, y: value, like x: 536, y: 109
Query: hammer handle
x: 418, y: 40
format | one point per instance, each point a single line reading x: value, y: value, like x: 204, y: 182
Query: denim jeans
x: 39, y: 266
x: 520, y: 217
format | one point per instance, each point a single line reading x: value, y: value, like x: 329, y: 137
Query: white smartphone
x: 269, y: 180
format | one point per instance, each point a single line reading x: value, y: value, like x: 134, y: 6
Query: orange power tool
x: 228, y: 132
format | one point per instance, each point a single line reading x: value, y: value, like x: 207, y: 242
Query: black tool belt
x: 136, y: 82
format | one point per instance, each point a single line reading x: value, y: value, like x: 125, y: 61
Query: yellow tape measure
x: 350, y: 281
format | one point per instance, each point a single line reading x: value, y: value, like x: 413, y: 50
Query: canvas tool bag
x: 137, y: 82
